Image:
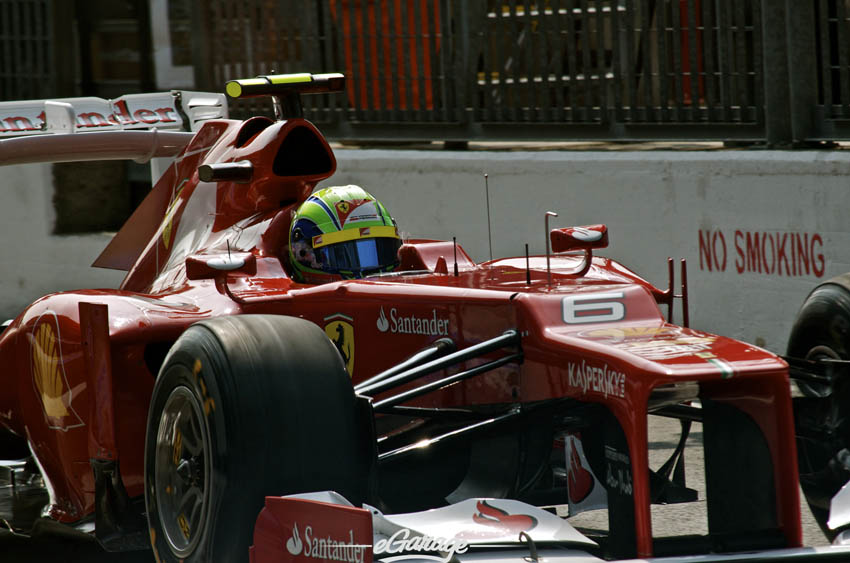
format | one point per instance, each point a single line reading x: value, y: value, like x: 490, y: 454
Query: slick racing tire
x: 822, y: 417
x: 821, y: 330
x: 244, y: 407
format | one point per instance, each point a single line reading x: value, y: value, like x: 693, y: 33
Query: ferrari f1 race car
x: 270, y: 386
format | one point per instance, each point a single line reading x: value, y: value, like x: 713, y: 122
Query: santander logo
x: 317, y: 545
x: 293, y: 544
x: 412, y: 324
x: 383, y: 323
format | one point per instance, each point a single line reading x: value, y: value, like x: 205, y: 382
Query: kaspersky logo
x: 327, y: 548
x: 411, y: 324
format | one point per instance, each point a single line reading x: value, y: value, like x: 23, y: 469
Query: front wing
x: 308, y: 528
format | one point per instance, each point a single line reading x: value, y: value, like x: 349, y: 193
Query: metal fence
x: 26, y: 60
x: 751, y: 70
x: 508, y: 69
x: 829, y: 27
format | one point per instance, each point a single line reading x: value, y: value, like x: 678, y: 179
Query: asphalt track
x: 54, y: 543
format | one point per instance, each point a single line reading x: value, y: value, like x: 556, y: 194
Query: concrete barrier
x: 35, y: 262
x: 759, y: 229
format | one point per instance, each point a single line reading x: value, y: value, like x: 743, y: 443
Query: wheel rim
x: 818, y: 389
x: 182, y: 471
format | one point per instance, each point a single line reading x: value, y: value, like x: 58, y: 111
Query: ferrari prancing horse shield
x: 340, y: 330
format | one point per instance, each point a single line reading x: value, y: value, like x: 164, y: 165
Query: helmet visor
x: 359, y: 255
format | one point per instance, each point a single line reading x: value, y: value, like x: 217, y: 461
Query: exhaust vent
x: 250, y: 128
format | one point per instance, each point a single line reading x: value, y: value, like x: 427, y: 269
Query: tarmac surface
x: 687, y: 518
x: 57, y: 543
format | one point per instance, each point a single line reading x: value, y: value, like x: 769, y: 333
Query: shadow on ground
x: 53, y: 546
x: 36, y: 539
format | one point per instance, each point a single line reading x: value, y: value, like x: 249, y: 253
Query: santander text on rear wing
x: 175, y: 111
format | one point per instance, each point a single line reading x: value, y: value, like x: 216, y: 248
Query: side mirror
x: 209, y: 266
x: 579, y: 238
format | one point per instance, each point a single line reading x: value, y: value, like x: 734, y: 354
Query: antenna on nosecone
x: 548, y: 270
x: 489, y: 232
x: 454, y: 243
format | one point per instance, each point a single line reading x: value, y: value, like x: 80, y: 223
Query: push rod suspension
x: 512, y: 416
x: 509, y: 338
x: 444, y: 382
x: 466, y: 431
x: 436, y: 413
x: 680, y: 412
x: 822, y: 371
x: 438, y: 349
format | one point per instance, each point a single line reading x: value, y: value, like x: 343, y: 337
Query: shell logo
x: 45, y: 362
x: 632, y: 333
x: 166, y: 233
x: 48, y: 372
x: 168, y: 225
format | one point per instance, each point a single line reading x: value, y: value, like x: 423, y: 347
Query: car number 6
x: 596, y: 308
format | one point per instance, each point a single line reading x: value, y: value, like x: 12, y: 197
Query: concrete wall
x: 656, y: 204
x: 34, y: 261
x: 759, y: 229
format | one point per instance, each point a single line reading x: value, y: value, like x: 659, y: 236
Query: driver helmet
x: 342, y: 232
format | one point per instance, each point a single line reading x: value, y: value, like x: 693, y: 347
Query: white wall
x: 655, y: 204
x: 35, y: 262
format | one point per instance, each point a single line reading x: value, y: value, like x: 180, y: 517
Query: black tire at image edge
x: 822, y: 330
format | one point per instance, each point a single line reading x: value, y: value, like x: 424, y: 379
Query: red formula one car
x: 167, y: 411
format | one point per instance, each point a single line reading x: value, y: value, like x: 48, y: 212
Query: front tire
x: 822, y: 330
x: 244, y: 407
x: 822, y: 418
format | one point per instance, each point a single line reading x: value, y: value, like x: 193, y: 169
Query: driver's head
x: 342, y: 232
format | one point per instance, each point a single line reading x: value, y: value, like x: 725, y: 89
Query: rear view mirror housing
x: 579, y: 238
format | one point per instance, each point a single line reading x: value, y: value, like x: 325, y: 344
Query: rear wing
x: 150, y: 128
x: 140, y: 127
x: 178, y: 110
